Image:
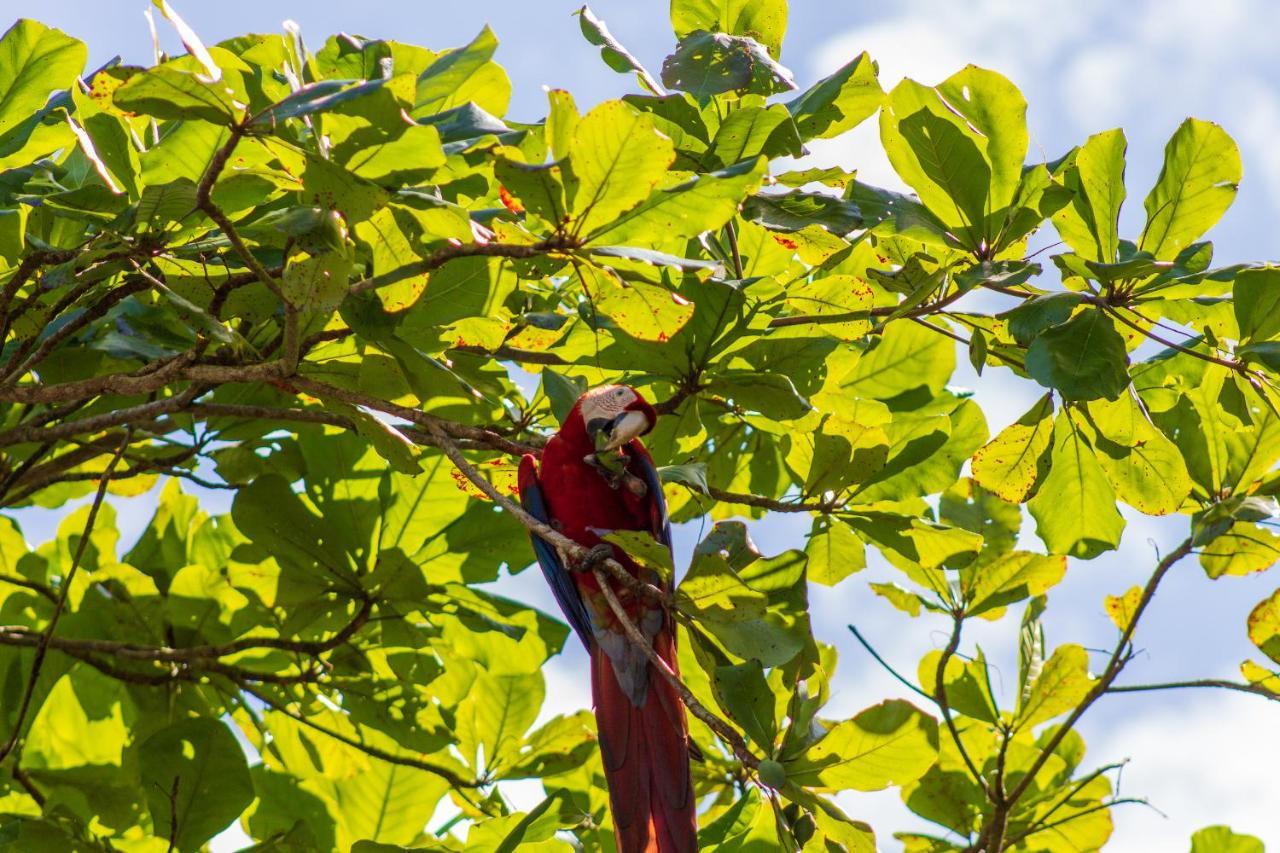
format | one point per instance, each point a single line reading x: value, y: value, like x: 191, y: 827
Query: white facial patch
x: 606, y: 402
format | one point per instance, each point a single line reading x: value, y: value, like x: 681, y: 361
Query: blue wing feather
x: 558, y: 578
x: 642, y: 461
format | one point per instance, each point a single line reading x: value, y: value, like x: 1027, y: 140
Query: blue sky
x: 1084, y: 66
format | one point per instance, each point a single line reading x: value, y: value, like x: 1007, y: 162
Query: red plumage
x: 642, y: 728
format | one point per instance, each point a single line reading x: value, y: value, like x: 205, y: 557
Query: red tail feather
x: 646, y: 760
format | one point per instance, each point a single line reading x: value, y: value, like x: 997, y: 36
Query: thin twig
x: 722, y: 729
x: 20, y: 776
x: 42, y: 648
x: 888, y: 667
x: 1097, y: 808
x: 34, y: 586
x: 1256, y: 689
x: 1234, y: 366
x: 940, y: 698
x: 1075, y: 789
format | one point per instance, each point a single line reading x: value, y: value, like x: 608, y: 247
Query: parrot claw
x: 594, y: 557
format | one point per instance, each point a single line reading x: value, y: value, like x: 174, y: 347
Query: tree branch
x: 1114, y: 665
x: 455, y: 250
x: 382, y: 755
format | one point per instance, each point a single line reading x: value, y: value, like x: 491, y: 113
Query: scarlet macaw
x: 597, y: 477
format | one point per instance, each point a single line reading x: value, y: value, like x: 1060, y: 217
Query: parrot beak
x: 610, y: 435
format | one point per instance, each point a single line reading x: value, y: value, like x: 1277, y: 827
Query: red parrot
x: 596, y: 478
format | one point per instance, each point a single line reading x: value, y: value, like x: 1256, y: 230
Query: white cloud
x: 1087, y: 66
x: 1203, y: 761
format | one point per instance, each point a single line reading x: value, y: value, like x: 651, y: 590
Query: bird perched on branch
x: 597, y: 478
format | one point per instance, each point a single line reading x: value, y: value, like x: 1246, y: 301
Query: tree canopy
x: 317, y: 276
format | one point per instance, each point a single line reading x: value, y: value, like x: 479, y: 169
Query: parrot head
x: 610, y: 416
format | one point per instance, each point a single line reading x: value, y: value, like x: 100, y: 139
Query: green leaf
x: 907, y: 356
x: 1010, y: 578
x: 493, y: 719
x: 763, y: 20
x: 616, y: 158
x: 1242, y: 549
x: 646, y: 551
x: 711, y: 585
x: 1011, y: 464
x: 994, y: 108
x: 384, y: 802
x: 83, y: 722
x: 960, y: 146
x: 1220, y: 839
x: 13, y: 230
x: 1264, y: 626
x: 969, y: 506
x: 892, y: 743
x: 465, y: 75
x: 749, y: 132
x: 1144, y: 467
x: 941, y: 164
x: 1088, y: 224
x: 839, y: 102
x: 706, y: 64
x: 562, y: 120
x: 646, y: 312
x: 797, y: 210
x: 35, y: 61
x: 410, y: 156
x: 1196, y: 186
x: 691, y: 474
x: 317, y: 283
x: 1075, y: 507
x: 835, y: 552
x: 1084, y: 358
x: 1062, y: 684
x: 741, y: 689
x: 612, y: 52
x: 166, y: 92
x: 968, y: 685
x: 539, y: 188
x: 1256, y: 302
x: 1035, y: 315
x: 771, y: 394
x: 195, y: 778
x: 703, y: 204
x: 318, y: 97
x: 271, y: 514
x: 390, y: 443
x: 330, y: 186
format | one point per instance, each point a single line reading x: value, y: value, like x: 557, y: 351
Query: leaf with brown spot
x: 1010, y: 465
x: 1121, y: 608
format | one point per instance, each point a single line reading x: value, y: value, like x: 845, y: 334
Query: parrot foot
x: 594, y: 557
